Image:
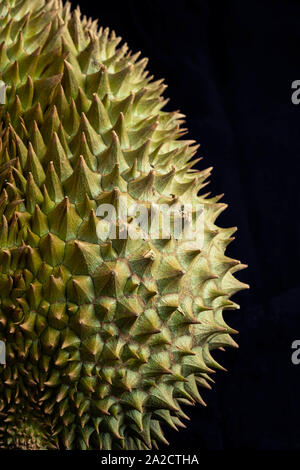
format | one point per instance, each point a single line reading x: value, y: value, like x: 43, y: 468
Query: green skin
x: 105, y: 340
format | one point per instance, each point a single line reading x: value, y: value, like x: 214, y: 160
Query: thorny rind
x: 105, y: 343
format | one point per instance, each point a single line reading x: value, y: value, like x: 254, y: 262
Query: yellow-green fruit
x: 105, y: 340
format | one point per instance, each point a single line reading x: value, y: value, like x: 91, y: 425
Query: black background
x: 229, y: 66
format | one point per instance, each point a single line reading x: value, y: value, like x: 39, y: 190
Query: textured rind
x: 105, y: 341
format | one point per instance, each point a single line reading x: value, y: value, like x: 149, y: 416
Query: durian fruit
x: 106, y: 341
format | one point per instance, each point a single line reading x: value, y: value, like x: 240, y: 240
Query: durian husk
x: 106, y: 342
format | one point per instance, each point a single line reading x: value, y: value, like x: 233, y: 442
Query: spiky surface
x: 105, y: 341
